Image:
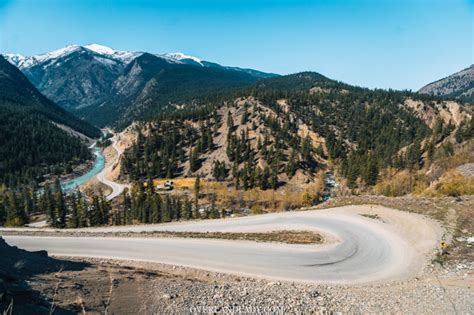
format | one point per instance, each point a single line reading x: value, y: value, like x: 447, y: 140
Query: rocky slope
x: 459, y: 85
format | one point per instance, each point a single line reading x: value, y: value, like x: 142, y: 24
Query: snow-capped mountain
x: 124, y: 56
x: 93, y: 79
x: 180, y: 57
x: 103, y: 52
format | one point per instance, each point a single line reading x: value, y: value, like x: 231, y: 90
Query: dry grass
x: 451, y: 184
x: 284, y: 199
x: 184, y: 183
x: 283, y: 236
x: 394, y: 183
x: 435, y: 180
x: 287, y: 237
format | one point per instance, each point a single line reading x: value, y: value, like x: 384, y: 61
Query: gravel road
x: 117, y: 188
x: 358, y: 249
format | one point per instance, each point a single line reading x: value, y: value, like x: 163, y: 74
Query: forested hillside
x: 285, y: 130
x: 31, y: 143
x: 150, y: 84
x: 17, y: 90
x: 110, y: 87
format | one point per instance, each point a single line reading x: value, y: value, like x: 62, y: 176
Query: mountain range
x: 110, y: 87
x: 246, y: 121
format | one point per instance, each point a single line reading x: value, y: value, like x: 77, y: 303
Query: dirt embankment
x: 18, y: 268
x: 125, y: 287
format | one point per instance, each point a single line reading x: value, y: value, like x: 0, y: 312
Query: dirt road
x: 359, y: 249
x: 117, y: 188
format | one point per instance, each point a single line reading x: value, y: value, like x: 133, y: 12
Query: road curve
x: 359, y: 249
x: 117, y: 188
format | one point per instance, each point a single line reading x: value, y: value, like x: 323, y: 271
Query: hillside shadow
x: 17, y: 268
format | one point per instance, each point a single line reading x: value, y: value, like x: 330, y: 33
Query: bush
x: 454, y: 184
x: 393, y: 184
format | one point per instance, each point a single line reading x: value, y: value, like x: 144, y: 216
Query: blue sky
x: 400, y: 44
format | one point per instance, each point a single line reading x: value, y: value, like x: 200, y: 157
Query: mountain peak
x: 58, y: 52
x: 100, y: 49
x: 179, y: 56
x: 29, y: 61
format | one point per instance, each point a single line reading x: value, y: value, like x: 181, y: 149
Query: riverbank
x: 107, y: 175
x: 97, y: 167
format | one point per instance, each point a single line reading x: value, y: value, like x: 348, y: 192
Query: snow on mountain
x: 111, y: 57
x: 26, y: 62
x: 15, y: 59
x: 57, y: 53
x: 107, y: 53
x: 178, y: 56
x: 124, y: 56
x: 100, y: 49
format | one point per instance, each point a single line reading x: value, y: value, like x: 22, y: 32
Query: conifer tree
x: 73, y: 221
x: 197, y: 189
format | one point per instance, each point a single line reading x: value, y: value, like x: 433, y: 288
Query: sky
x: 398, y: 44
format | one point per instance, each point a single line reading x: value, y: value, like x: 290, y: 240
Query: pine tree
x: 11, y: 210
x: 28, y: 202
x: 3, y: 210
x: 194, y: 159
x: 265, y: 178
x: 105, y: 209
x: 372, y: 172
x: 74, y: 218
x: 156, y: 209
x: 48, y: 205
x: 306, y: 149
x: 166, y: 210
x: 413, y: 156
x: 187, y: 209
x: 197, y: 189
x: 61, y: 208
x: 273, y: 182
x: 292, y: 166
x: 214, y: 213
x: 127, y: 207
x: 95, y: 217
x: 82, y: 210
